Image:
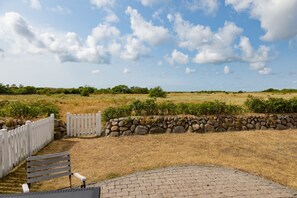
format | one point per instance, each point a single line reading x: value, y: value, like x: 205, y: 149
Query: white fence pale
x: 16, y: 145
x: 83, y: 124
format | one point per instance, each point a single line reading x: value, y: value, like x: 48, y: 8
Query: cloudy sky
x: 181, y: 45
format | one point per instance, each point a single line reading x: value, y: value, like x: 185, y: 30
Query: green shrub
x: 157, y: 92
x: 271, y: 105
x: 85, y: 92
x: 150, y: 107
x: 19, y: 109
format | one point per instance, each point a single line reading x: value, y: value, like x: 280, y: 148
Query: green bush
x: 19, y: 109
x: 150, y: 107
x: 157, y: 92
x: 271, y: 105
x: 85, y: 92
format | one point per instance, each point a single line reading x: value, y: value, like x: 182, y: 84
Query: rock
x: 114, y: 123
x: 250, y: 126
x: 196, y: 127
x: 56, y: 123
x: 107, y: 131
x: 124, y: 128
x: 190, y: 129
x: 58, y: 135
x: 114, y: 134
x: 209, y: 128
x: 2, y: 122
x: 141, y: 130
x: 132, y: 128
x: 244, y: 128
x: 127, y: 133
x: 179, y: 129
x: 263, y: 128
x: 156, y: 130
x: 62, y: 129
x: 121, y: 123
x: 280, y: 127
x: 291, y: 126
x: 168, y: 130
x: 5, y: 127
x: 258, y: 126
x: 114, y: 128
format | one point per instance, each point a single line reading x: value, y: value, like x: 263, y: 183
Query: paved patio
x: 193, y: 181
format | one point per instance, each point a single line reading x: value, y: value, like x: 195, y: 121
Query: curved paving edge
x: 192, y: 181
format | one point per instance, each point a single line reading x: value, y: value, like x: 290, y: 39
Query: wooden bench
x: 45, y: 167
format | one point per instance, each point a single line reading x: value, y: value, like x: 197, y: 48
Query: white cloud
x: 61, y: 10
x: 67, y: 47
x: 220, y: 46
x: 189, y: 70
x: 177, y: 57
x: 227, y: 70
x: 2, y: 53
x: 111, y: 17
x: 239, y: 5
x: 114, y: 48
x: 105, y: 31
x: 209, y: 7
x: 160, y: 63
x: 265, y: 71
x: 134, y: 49
x: 146, y: 31
x: 35, y: 4
x: 277, y: 18
x: 103, y: 3
x: 153, y: 2
x: 126, y: 71
x: 97, y: 71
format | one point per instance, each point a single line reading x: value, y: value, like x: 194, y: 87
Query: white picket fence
x: 83, y: 124
x: 16, y: 145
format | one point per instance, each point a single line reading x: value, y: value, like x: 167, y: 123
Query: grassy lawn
x: 269, y: 154
x: 94, y: 103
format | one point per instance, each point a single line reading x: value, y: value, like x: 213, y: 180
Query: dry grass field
x: 94, y: 103
x: 269, y: 154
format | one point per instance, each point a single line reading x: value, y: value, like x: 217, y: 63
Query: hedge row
x: 19, y: 109
x: 150, y: 107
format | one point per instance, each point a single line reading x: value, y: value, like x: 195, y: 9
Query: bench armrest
x: 25, y: 188
x: 82, y: 179
x: 79, y: 176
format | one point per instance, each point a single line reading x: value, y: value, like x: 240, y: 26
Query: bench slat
x: 48, y: 172
x: 47, y: 156
x: 40, y: 168
x: 47, y: 161
x: 38, y: 179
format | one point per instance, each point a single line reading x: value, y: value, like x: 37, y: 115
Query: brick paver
x: 192, y: 181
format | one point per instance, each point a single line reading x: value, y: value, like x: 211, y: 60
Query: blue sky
x: 180, y: 45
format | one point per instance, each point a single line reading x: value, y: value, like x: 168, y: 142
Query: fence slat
x: 17, y: 144
x: 83, y: 124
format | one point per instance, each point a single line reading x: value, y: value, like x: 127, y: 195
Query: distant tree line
x: 83, y: 90
x: 271, y: 90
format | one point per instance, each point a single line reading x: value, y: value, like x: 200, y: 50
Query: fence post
x: 28, y: 124
x: 98, y: 123
x: 52, y: 126
x: 4, y: 153
x: 68, y: 123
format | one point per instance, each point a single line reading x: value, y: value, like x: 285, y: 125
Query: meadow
x: 98, y: 102
x: 269, y: 154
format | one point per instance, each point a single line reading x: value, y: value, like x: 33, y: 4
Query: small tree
x: 85, y: 92
x: 157, y: 92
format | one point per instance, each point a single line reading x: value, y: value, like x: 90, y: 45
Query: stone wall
x: 181, y: 124
x: 10, y: 123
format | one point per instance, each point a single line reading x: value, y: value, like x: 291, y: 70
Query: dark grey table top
x: 67, y: 193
